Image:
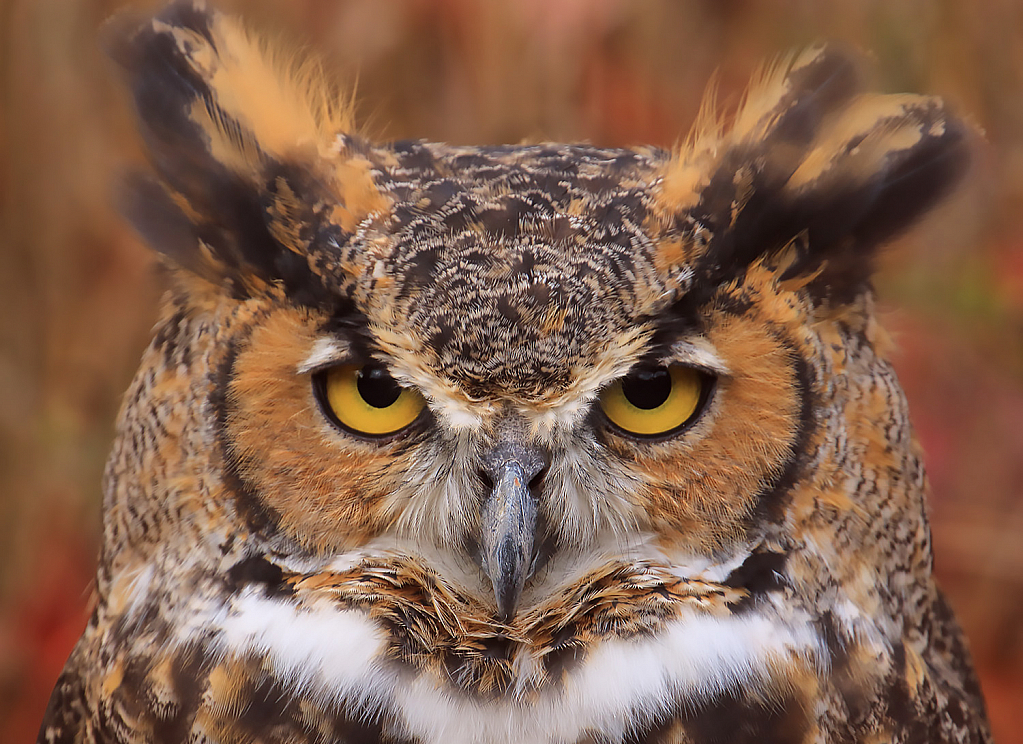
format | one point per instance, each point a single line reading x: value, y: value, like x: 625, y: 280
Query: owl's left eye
x: 365, y: 399
x: 656, y: 401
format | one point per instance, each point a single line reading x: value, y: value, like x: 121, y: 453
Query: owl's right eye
x: 365, y: 399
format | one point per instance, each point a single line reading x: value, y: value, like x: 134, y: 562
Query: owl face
x: 531, y: 443
x: 628, y: 415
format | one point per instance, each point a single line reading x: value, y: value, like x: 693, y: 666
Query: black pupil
x: 647, y: 388
x: 377, y: 387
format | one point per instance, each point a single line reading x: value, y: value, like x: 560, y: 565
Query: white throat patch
x: 336, y: 657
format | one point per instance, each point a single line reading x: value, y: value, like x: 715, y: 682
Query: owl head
x: 511, y: 367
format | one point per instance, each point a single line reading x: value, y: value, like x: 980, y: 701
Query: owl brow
x: 690, y: 350
x: 327, y: 352
x: 678, y: 339
x: 340, y: 340
x: 700, y: 353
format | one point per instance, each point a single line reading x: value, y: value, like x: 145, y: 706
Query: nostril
x: 486, y: 480
x: 538, y: 479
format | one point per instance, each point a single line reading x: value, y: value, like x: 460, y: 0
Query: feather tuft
x: 808, y: 155
x: 252, y: 148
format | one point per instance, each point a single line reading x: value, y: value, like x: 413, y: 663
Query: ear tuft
x: 245, y: 94
x: 810, y: 156
x: 227, y: 117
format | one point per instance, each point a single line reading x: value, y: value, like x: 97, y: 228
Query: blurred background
x: 78, y: 293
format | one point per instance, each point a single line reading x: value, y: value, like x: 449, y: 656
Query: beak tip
x: 507, y: 575
x: 506, y: 607
x: 509, y: 524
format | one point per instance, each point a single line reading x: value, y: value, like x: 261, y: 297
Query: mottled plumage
x: 515, y: 559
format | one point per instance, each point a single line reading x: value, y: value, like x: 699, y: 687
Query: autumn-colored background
x: 78, y: 292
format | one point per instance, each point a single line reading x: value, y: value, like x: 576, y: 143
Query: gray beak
x: 509, y: 521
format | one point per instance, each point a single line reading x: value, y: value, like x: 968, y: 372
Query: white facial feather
x: 698, y: 352
x: 326, y: 351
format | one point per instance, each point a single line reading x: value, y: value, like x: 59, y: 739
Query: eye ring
x: 656, y: 402
x: 363, y: 399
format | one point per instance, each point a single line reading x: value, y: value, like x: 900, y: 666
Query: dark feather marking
x: 915, y: 181
x: 170, y: 724
x: 443, y: 335
x: 759, y: 574
x: 171, y: 341
x: 414, y: 158
x: 353, y: 730
x: 566, y: 651
x: 260, y: 516
x: 257, y: 569
x: 661, y: 731
x: 946, y: 639
x: 732, y: 719
x: 164, y: 86
x: 772, y: 500
x: 66, y: 713
x: 902, y: 706
x: 272, y: 714
x: 763, y: 225
x: 345, y: 319
x: 148, y: 207
x: 818, y: 88
x: 854, y: 692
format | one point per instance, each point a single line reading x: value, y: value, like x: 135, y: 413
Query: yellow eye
x: 366, y: 399
x: 655, y: 400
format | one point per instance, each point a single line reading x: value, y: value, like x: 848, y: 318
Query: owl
x: 536, y: 443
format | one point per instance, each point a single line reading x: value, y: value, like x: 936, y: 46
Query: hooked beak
x: 509, y: 522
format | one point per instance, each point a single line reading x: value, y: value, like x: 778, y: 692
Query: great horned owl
x: 545, y: 443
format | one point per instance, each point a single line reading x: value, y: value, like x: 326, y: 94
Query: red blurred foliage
x: 37, y: 635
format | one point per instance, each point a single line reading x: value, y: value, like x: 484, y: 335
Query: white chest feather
x: 336, y: 657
